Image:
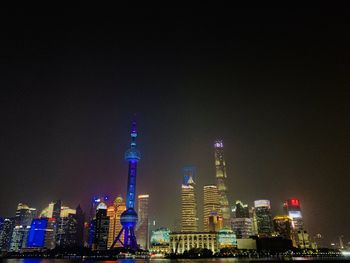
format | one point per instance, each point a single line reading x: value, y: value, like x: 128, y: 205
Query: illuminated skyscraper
x: 50, y: 234
x: 292, y: 209
x: 189, y: 220
x: 114, y: 212
x: 19, y: 238
x: 24, y: 215
x: 214, y: 222
x: 142, y: 229
x: 70, y: 228
x: 23, y: 220
x: 242, y: 227
x: 6, y: 233
x: 42, y: 233
x: 56, y: 211
x: 283, y: 226
x: 211, y: 203
x: 129, y: 217
x: 240, y: 210
x: 100, y: 228
x: 263, y: 217
x: 36, y: 236
x: 221, y: 176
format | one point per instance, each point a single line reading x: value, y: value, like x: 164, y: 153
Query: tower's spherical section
x: 132, y: 154
x: 129, y: 218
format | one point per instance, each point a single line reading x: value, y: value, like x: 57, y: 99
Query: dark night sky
x: 272, y: 83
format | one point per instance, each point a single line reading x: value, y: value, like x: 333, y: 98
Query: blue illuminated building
x: 129, y: 217
x: 36, y: 236
x: 188, y: 173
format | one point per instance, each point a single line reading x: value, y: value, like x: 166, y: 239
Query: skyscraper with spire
x: 220, y: 167
x: 189, y: 220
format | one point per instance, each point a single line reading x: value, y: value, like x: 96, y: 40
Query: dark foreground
x: 163, y: 260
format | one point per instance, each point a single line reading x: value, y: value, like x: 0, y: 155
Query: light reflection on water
x: 213, y: 260
x: 39, y: 260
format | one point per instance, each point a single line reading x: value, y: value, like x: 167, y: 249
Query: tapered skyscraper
x: 221, y: 176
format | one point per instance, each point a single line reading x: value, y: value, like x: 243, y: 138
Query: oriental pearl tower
x: 128, y: 218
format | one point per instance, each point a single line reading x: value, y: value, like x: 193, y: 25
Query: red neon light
x: 294, y: 202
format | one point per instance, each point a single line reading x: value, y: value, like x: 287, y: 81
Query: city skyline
x: 271, y: 83
x: 291, y: 207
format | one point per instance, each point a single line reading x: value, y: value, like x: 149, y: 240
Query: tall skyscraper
x: 42, y: 233
x: 263, y: 217
x: 283, y: 226
x: 189, y: 220
x: 100, y: 228
x: 24, y: 215
x: 36, y: 236
x: 142, y: 229
x: 56, y: 211
x: 240, y: 210
x: 50, y: 234
x: 221, y: 176
x: 80, y: 220
x: 23, y: 220
x: 241, y: 223
x: 292, y: 209
x: 242, y: 227
x: 6, y: 233
x: 215, y: 222
x: 129, y: 217
x: 70, y: 228
x: 19, y: 238
x: 210, y: 203
x: 114, y: 212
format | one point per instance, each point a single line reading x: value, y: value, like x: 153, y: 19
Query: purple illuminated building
x: 129, y: 217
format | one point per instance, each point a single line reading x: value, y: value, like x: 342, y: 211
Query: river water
x: 212, y: 260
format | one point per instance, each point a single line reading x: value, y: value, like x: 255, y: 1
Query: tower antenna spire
x: 129, y: 217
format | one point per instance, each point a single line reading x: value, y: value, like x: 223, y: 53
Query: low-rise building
x: 181, y: 241
x: 246, y: 243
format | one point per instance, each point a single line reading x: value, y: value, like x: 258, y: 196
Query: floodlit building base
x: 182, y: 241
x: 246, y: 243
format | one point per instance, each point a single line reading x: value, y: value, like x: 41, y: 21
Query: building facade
x: 263, y: 217
x: 160, y: 241
x: 240, y: 210
x: 211, y: 203
x: 70, y: 229
x: 242, y: 227
x: 24, y: 215
x: 189, y: 220
x: 292, y: 209
x: 6, y: 233
x: 142, y: 228
x: 114, y: 212
x: 283, y: 226
x: 215, y: 222
x: 100, y: 228
x: 19, y: 238
x: 180, y: 241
